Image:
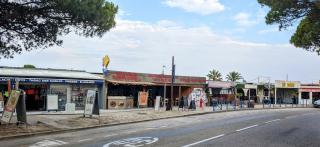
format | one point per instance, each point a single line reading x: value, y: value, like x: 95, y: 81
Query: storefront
x: 123, y: 88
x: 221, y: 90
x: 308, y: 93
x: 69, y: 87
x: 286, y: 92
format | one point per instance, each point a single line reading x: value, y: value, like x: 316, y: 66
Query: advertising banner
x: 143, y: 98
x: 10, y: 106
x: 157, y: 105
x: 91, y: 95
x: 52, y: 102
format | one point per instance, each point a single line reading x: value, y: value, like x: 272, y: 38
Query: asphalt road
x: 286, y: 127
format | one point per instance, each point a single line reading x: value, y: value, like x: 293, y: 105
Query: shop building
x: 68, y: 86
x: 221, y: 90
x: 286, y: 92
x: 308, y: 93
x: 123, y: 88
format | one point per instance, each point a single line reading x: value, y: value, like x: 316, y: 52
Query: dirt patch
x: 13, y: 129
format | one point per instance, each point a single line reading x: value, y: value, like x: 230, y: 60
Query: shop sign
x: 287, y: 84
x: 10, y: 106
x: 91, y: 95
x: 41, y: 80
x: 250, y: 86
x: 143, y: 98
x: 220, y: 84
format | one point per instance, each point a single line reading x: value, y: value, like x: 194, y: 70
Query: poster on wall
x: 88, y: 108
x: 10, y: 106
x: 143, y: 99
x: 52, y: 102
x: 1, y: 102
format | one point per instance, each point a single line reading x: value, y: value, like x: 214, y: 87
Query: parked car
x: 316, y: 103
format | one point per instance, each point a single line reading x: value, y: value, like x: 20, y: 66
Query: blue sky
x: 227, y: 35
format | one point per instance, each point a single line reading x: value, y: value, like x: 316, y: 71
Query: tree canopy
x: 233, y: 76
x: 32, y: 24
x: 287, y: 12
x: 214, y: 75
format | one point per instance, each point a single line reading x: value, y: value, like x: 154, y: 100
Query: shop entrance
x: 35, y: 96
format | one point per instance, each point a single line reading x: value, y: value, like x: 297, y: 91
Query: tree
x: 214, y: 75
x: 28, y: 66
x: 233, y: 76
x: 31, y: 24
x: 287, y: 12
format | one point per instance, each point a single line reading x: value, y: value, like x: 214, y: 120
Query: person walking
x: 201, y: 104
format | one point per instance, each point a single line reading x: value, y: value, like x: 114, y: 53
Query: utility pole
x: 169, y: 106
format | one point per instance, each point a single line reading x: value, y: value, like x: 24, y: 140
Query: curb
x: 131, y: 122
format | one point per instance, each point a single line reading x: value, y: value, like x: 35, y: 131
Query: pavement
x: 272, y: 127
x: 52, y: 122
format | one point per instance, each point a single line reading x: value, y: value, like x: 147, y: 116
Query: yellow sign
x: 105, y: 61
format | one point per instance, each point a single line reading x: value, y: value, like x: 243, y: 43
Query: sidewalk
x: 46, y: 122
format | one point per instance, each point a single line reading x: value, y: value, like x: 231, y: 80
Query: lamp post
x: 164, y: 80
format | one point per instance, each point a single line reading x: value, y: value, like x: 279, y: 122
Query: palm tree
x: 233, y: 76
x: 214, y: 75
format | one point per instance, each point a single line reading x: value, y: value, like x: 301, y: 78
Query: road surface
x: 286, y: 127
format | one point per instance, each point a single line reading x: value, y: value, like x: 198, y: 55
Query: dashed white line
x: 82, y: 140
x: 271, y: 121
x: 110, y: 135
x: 192, y: 144
x: 246, y: 128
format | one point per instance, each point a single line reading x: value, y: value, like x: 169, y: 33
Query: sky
x: 226, y: 35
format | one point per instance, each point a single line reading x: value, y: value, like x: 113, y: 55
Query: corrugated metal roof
x: 47, y: 73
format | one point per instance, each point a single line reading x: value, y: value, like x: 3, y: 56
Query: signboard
x: 143, y: 98
x: 1, y: 106
x: 250, y: 86
x: 44, y: 80
x: 71, y: 107
x: 220, y: 84
x: 287, y: 84
x: 157, y: 105
x: 10, y: 106
x: 91, y: 95
x: 52, y: 102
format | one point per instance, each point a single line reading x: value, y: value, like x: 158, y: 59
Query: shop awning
x: 129, y: 83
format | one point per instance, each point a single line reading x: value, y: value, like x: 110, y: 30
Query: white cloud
x: 203, y: 7
x: 244, y: 19
x: 144, y: 47
x: 269, y: 30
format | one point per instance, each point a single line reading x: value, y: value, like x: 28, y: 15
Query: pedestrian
x: 181, y: 103
x: 185, y: 102
x: 201, y: 104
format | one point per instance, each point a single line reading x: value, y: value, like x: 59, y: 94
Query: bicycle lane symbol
x: 133, y: 142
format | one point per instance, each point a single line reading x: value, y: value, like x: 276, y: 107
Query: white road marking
x: 293, y: 116
x: 271, y: 121
x: 134, y: 131
x: 192, y: 144
x: 163, y: 126
x: 48, y: 143
x: 110, y: 135
x: 85, y: 140
x: 246, y: 128
x: 133, y: 142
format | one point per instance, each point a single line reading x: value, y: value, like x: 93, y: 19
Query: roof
x: 46, y: 73
x: 122, y: 77
x: 220, y: 84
